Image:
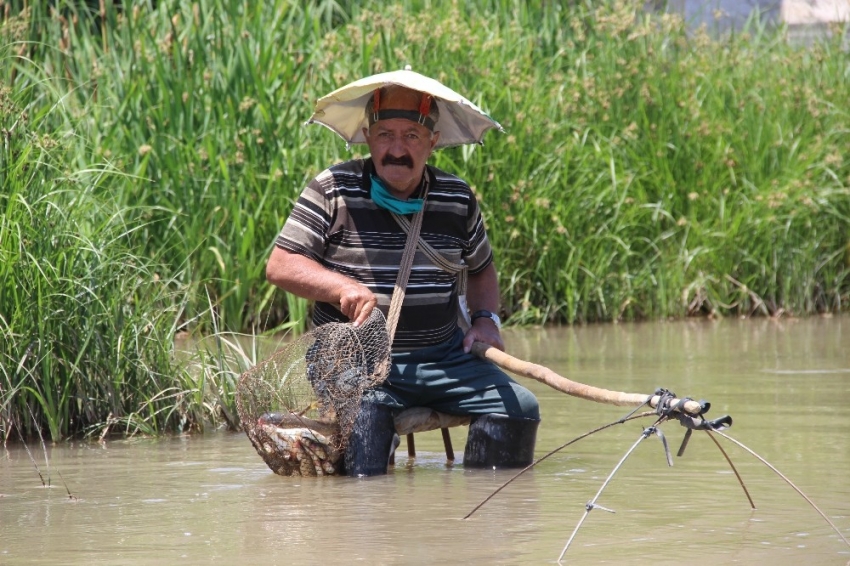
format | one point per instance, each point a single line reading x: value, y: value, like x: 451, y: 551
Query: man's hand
x: 306, y: 278
x: 482, y: 292
x: 356, y: 302
x: 483, y: 330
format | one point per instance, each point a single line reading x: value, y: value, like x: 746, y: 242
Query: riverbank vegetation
x: 151, y: 151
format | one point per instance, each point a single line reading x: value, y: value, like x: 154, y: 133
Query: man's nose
x: 397, y: 148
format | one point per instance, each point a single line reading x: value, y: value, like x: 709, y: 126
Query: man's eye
x: 384, y: 135
x: 413, y: 137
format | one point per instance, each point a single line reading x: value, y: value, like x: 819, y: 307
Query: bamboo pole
x: 568, y: 386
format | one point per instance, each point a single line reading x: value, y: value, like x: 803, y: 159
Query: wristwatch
x: 487, y: 314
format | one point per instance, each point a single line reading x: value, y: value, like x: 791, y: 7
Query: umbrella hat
x: 344, y: 110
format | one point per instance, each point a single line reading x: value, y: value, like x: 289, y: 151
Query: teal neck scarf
x: 385, y: 200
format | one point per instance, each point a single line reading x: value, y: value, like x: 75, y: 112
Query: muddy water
x: 212, y: 500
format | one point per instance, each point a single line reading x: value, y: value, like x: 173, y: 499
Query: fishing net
x: 299, y: 406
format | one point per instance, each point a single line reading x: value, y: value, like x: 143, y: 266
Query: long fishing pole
x: 687, y: 411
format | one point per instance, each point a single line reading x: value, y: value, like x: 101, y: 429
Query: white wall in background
x: 797, y: 12
x: 729, y: 14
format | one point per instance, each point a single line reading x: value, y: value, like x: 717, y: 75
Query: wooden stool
x: 423, y: 419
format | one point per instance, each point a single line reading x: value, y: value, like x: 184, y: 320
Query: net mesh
x: 299, y: 406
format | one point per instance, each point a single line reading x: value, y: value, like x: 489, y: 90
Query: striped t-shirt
x: 337, y: 224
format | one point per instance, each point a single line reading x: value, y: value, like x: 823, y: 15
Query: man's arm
x: 482, y: 293
x: 300, y: 275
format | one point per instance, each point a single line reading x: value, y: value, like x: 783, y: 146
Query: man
x: 342, y: 247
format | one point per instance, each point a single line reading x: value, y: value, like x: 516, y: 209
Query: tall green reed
x: 194, y: 98
x: 87, y: 324
x: 647, y: 170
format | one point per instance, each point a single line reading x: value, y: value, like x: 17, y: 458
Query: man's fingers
x: 364, y: 311
x: 491, y: 338
x: 356, y: 303
x: 467, y: 342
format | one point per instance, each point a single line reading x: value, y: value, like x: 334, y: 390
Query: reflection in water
x: 211, y: 499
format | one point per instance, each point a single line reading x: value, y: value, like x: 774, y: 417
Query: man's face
x: 400, y: 148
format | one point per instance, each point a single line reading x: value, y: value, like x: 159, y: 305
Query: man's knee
x: 521, y: 403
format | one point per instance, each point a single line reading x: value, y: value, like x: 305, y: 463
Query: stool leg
x: 411, y: 446
x: 447, y: 442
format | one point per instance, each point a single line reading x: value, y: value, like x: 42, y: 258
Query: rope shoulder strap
x: 412, y: 231
x: 436, y: 257
x: 459, y: 269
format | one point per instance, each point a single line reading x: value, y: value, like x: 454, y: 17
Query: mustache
x: 404, y: 160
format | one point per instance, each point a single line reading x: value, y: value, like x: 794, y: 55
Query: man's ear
x: 435, y: 137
